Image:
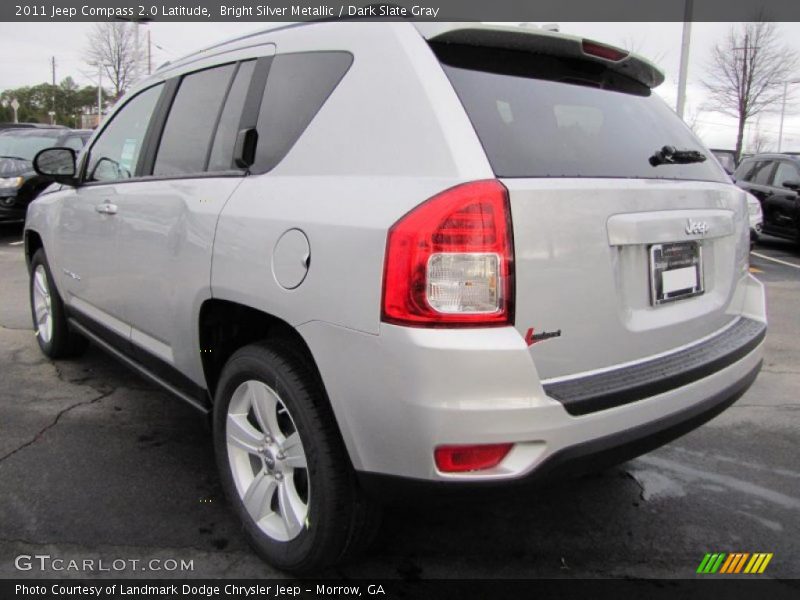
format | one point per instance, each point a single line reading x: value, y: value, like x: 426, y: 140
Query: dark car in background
x: 775, y: 180
x: 19, y: 183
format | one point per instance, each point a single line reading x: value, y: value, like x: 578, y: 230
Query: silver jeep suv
x: 393, y: 256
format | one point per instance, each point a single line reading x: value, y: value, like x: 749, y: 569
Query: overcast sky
x: 26, y: 48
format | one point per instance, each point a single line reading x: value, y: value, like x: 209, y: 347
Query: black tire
x: 341, y: 519
x: 63, y: 342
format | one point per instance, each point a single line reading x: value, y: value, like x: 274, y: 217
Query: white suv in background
x: 390, y: 255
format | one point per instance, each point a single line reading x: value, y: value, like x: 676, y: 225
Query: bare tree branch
x: 759, y: 142
x: 112, y: 48
x: 747, y: 73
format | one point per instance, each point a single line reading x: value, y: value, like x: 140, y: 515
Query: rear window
x: 544, y: 116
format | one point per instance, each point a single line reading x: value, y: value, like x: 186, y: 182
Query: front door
x: 88, y: 252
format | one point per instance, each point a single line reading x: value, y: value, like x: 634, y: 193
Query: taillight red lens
x: 602, y: 51
x: 459, y: 459
x: 449, y: 262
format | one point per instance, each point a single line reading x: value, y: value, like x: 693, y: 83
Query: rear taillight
x: 450, y: 261
x: 460, y: 459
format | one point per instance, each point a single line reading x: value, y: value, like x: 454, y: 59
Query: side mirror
x: 793, y: 185
x: 56, y: 164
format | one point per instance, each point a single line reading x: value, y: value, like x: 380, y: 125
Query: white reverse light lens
x: 464, y: 282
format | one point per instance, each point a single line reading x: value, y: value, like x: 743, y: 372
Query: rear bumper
x: 580, y: 458
x: 398, y: 395
x: 626, y: 384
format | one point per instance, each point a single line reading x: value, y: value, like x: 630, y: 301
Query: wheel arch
x: 224, y: 326
x: 33, y: 242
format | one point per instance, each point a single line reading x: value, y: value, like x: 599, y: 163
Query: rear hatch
x: 620, y: 252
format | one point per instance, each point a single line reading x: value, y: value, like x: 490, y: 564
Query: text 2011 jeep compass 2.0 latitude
x: 391, y: 253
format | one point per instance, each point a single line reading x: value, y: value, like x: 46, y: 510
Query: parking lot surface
x: 97, y: 463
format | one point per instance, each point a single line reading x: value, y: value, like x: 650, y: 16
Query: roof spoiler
x: 539, y: 41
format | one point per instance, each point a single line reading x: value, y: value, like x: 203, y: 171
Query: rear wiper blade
x: 669, y: 155
x: 15, y: 158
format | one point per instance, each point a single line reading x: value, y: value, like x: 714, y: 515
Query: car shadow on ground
x: 154, y: 484
x: 781, y: 245
x: 10, y: 232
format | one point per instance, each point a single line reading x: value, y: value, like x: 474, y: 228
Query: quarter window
x: 191, y: 122
x: 115, y: 154
x: 297, y: 87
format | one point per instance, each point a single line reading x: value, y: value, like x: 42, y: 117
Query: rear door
x: 616, y: 257
x: 168, y: 217
x: 755, y: 177
x: 781, y: 205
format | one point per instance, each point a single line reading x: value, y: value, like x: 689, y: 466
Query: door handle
x: 106, y: 208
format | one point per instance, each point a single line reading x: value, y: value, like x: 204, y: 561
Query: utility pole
x: 783, y: 110
x: 138, y: 48
x: 53, y: 65
x: 684, y: 69
x: 139, y: 54
x: 99, y: 93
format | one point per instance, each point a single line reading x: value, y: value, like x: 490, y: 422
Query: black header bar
x: 539, y: 11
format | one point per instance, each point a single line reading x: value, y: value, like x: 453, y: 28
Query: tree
x: 759, y: 141
x: 693, y: 121
x: 747, y: 73
x: 113, y: 48
x: 67, y: 99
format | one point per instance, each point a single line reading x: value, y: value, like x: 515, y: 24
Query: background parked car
x: 774, y: 179
x: 19, y: 183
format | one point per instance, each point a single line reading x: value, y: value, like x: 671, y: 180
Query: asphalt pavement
x: 96, y: 463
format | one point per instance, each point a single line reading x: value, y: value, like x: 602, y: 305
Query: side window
x: 297, y: 87
x: 191, y: 122
x: 221, y: 158
x: 114, y: 155
x: 762, y: 172
x: 785, y: 172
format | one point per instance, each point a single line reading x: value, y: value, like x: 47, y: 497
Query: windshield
x: 24, y: 146
x: 544, y: 116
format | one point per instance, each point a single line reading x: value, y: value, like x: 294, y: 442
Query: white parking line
x: 777, y: 260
